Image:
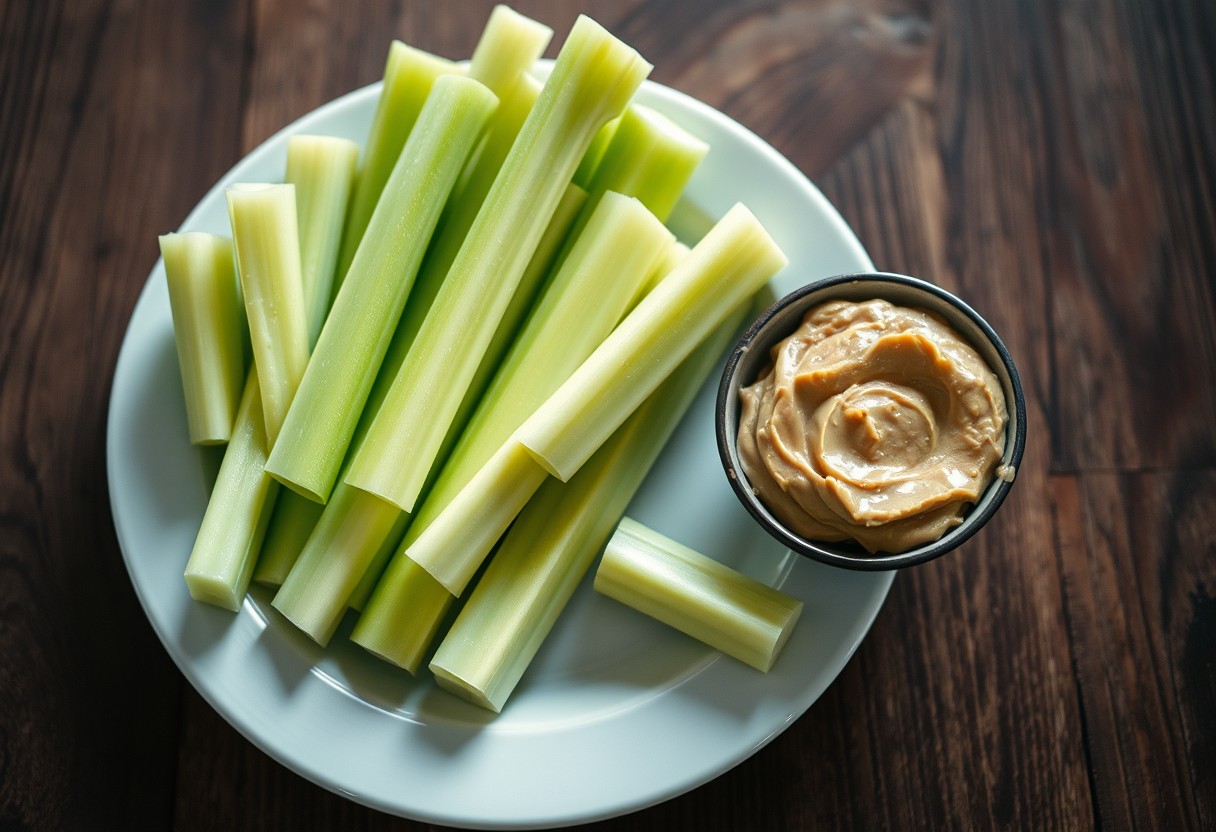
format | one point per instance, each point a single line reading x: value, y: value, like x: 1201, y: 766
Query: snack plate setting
x: 617, y: 712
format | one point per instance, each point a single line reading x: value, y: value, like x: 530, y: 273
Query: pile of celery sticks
x: 474, y: 340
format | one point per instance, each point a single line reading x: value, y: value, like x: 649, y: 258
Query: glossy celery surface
x: 234, y: 522
x: 409, y: 74
x: 591, y: 159
x: 592, y: 81
x: 357, y: 332
x: 697, y: 595
x: 728, y: 265
x: 266, y: 237
x: 208, y: 327
x: 556, y: 538
x: 619, y: 249
x: 322, y: 169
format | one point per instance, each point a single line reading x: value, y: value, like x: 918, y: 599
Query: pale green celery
x: 730, y: 263
x: 322, y: 168
x: 591, y: 159
x: 357, y: 332
x: 592, y: 81
x: 617, y: 252
x: 402, y: 633
x: 290, y: 525
x: 508, y: 47
x: 235, y: 519
x: 467, y: 198
x: 409, y: 75
x: 367, y: 561
x: 674, y: 257
x: 555, y: 539
x: 697, y: 595
x: 208, y: 326
x: 316, y: 591
x: 267, y: 241
x: 650, y: 157
x: 521, y: 303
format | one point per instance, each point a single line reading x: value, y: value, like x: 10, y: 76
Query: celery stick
x: 729, y: 264
x: 697, y: 595
x: 291, y: 523
x: 592, y: 81
x: 510, y: 43
x: 314, y: 595
x: 267, y: 242
x: 650, y: 157
x: 235, y: 520
x: 467, y: 198
x: 402, y: 633
x: 620, y: 247
x: 357, y: 332
x: 553, y: 542
x: 591, y: 159
x: 521, y: 302
x: 409, y: 75
x: 322, y: 168
x: 208, y: 323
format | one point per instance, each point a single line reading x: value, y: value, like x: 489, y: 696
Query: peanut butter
x: 875, y: 423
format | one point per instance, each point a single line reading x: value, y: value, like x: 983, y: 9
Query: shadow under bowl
x: 751, y: 354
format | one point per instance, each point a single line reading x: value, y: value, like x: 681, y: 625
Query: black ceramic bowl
x: 751, y: 353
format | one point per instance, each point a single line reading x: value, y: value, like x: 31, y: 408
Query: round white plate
x: 617, y: 712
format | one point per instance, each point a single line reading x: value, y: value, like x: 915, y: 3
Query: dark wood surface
x: 1052, y: 160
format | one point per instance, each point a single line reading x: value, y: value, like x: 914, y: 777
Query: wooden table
x: 1053, y: 162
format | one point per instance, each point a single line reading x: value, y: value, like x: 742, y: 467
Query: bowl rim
x: 985, y: 507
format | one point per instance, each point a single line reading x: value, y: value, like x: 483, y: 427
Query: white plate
x: 617, y: 712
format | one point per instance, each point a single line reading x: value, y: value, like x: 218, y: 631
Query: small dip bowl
x: 751, y: 354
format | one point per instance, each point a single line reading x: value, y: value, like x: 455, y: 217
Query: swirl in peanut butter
x: 874, y: 422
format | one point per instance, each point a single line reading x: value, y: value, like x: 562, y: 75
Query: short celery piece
x: 234, y: 522
x: 729, y: 264
x: 555, y: 539
x: 697, y: 595
x: 591, y: 159
x: 322, y: 168
x: 207, y: 327
x: 592, y: 81
x: 619, y: 249
x: 357, y: 332
x: 409, y: 74
x: 650, y: 157
x: 316, y: 591
x: 402, y: 635
x: 290, y: 526
x: 266, y: 237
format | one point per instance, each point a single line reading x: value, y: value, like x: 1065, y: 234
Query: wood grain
x: 1052, y: 162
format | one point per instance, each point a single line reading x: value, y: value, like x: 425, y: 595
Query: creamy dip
x: 875, y: 423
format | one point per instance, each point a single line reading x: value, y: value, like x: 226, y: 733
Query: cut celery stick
x: 322, y: 168
x: 555, y: 539
x: 650, y: 157
x: 291, y: 523
x: 467, y: 198
x: 208, y: 326
x: 509, y: 44
x: 521, y: 302
x: 409, y: 74
x: 316, y: 591
x: 619, y: 249
x: 235, y: 519
x: 592, y: 81
x: 402, y: 634
x: 357, y: 332
x: 698, y: 596
x: 729, y: 264
x: 591, y: 159
x: 267, y: 242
